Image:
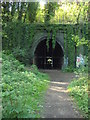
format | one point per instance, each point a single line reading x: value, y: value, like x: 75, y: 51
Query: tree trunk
x: 75, y: 55
x: 13, y: 10
x: 20, y: 12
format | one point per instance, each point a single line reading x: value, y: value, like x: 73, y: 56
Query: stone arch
x: 42, y: 36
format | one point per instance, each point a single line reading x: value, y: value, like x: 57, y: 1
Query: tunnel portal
x: 48, y: 58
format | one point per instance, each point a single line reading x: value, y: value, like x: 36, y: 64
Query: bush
x: 22, y: 90
x: 68, y: 69
x: 21, y: 54
x: 78, y: 89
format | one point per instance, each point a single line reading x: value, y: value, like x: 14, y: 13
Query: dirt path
x: 58, y: 104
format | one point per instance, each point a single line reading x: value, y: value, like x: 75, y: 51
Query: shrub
x: 78, y: 89
x: 22, y: 90
x: 68, y: 69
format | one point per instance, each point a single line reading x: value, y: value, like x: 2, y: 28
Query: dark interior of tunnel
x: 48, y: 58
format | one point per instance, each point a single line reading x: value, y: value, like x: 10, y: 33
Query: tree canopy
x: 52, y: 12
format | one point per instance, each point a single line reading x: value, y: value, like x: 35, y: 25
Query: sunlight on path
x: 58, y: 104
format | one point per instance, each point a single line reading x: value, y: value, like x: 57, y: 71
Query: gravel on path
x: 58, y: 103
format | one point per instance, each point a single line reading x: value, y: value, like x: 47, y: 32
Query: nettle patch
x: 22, y: 90
x: 78, y: 89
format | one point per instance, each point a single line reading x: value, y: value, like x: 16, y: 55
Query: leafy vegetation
x: 52, y: 12
x: 21, y: 47
x: 0, y: 54
x: 78, y: 89
x: 18, y: 16
x: 68, y: 69
x: 22, y: 90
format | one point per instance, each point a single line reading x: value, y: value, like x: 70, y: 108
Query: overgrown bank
x: 78, y: 89
x: 22, y: 90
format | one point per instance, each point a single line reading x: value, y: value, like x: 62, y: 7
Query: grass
x: 22, y: 90
x: 78, y: 89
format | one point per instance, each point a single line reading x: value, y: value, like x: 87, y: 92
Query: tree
x: 50, y: 10
x: 20, y: 10
x: 13, y: 9
x: 5, y: 11
x: 32, y: 11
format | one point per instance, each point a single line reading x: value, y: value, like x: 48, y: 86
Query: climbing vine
x: 48, y: 38
x: 54, y: 37
x: 18, y: 38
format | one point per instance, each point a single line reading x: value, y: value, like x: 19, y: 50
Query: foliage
x: 78, y: 89
x: 50, y: 10
x: 83, y: 68
x: 79, y: 41
x: 70, y: 45
x: 21, y: 54
x: 40, y: 15
x: 32, y: 11
x: 22, y: 90
x: 18, y: 32
x: 68, y: 69
x: 71, y: 13
x: 18, y: 38
x: 0, y: 54
x: 53, y: 12
x: 19, y: 11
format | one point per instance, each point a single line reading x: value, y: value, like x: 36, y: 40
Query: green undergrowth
x: 0, y: 54
x: 22, y: 90
x: 78, y: 89
x: 68, y: 69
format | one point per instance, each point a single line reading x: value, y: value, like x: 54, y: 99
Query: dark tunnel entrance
x: 48, y: 58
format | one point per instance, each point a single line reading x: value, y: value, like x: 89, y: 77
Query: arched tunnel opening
x: 48, y: 58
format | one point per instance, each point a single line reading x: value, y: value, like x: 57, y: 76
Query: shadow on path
x: 58, y: 104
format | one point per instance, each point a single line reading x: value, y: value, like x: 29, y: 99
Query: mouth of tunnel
x: 48, y: 58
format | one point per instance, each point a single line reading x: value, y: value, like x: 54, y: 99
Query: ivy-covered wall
x: 21, y: 39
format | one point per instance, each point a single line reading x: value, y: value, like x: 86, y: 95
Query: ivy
x: 17, y: 35
x: 54, y: 37
x: 48, y: 38
x: 70, y: 46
